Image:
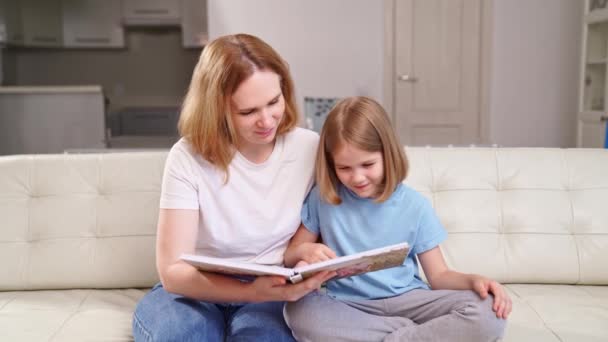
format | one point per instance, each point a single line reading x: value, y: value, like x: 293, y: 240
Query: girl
x: 233, y: 187
x: 360, y: 203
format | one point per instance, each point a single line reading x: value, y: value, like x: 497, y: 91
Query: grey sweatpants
x: 418, y: 315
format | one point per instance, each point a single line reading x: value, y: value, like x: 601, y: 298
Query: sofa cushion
x: 68, y: 315
x: 541, y: 313
x: 558, y: 313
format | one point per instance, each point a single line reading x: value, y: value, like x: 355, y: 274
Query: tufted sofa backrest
x: 520, y: 215
x: 79, y: 221
x: 517, y: 215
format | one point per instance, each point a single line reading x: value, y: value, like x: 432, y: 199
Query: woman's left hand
x: 502, y: 302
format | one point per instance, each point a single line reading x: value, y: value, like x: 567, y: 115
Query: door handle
x: 407, y: 78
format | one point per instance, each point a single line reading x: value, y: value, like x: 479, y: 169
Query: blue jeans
x: 164, y: 316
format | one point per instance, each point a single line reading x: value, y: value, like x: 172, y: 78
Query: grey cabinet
x: 11, y: 28
x: 97, y: 23
x: 151, y: 12
x: 93, y: 24
x: 42, y: 23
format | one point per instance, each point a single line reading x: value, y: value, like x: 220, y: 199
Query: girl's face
x: 360, y: 171
x: 258, y: 107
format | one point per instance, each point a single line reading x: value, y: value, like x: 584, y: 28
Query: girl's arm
x: 442, y: 278
x: 303, y: 247
x: 177, y: 233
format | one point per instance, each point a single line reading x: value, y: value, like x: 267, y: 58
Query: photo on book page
x: 359, y: 263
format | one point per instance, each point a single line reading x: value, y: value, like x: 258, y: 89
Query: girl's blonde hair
x: 226, y: 62
x: 364, y: 124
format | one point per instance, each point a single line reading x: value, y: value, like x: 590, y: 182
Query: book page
x: 359, y: 263
x: 230, y: 267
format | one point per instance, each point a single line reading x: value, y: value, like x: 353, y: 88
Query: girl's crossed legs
x: 418, y: 315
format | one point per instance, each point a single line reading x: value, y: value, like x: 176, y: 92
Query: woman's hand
x: 502, y: 302
x: 312, y: 252
x: 276, y: 288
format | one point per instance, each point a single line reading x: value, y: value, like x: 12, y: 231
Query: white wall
x: 334, y: 47
x: 535, y: 72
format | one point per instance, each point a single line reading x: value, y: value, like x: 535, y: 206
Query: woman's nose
x: 265, y: 118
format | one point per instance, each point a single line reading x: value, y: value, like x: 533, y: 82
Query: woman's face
x: 258, y: 107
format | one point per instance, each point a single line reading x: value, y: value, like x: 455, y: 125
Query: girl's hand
x: 502, y: 302
x: 276, y: 288
x: 314, y: 252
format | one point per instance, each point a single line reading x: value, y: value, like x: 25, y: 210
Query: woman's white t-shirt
x: 253, y: 216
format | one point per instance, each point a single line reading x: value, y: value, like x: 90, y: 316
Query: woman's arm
x: 442, y: 278
x: 303, y: 247
x: 177, y: 234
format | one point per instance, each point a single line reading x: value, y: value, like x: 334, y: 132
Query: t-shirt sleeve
x: 179, y: 190
x: 430, y: 230
x: 310, y: 211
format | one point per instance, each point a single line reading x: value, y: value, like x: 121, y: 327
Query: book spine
x: 296, y: 278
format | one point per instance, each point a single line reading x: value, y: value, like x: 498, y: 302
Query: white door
x: 438, y: 68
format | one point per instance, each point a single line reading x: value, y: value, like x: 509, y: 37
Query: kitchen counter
x: 36, y: 120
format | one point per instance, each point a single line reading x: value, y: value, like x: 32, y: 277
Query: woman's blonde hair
x: 364, y: 124
x: 226, y: 62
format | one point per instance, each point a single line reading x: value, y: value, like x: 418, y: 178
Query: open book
x: 345, y: 266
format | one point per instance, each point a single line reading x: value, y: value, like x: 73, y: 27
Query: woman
x: 233, y: 187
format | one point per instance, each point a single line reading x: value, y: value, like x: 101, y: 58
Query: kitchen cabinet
x: 195, y: 32
x: 151, y: 12
x: 592, y: 115
x: 11, y: 31
x: 97, y: 23
x: 42, y: 23
x: 92, y: 24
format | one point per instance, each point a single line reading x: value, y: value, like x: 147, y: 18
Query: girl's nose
x: 358, y: 176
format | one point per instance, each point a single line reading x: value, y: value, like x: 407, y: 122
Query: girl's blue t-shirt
x: 359, y: 224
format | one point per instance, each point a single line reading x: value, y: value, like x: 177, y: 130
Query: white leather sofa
x: 77, y: 237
